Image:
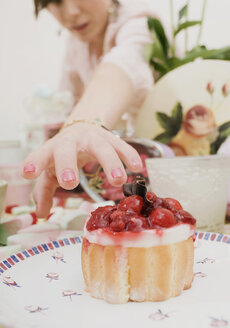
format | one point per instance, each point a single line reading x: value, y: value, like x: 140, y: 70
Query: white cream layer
x: 145, y: 238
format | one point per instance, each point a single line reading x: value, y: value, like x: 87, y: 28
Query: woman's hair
x: 40, y: 4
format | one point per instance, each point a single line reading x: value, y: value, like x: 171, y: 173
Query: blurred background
x: 32, y: 49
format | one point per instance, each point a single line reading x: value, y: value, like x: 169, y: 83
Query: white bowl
x: 199, y: 183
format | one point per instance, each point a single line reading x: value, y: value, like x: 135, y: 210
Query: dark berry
x: 162, y: 217
x: 132, y: 204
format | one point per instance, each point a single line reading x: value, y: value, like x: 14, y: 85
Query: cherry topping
x: 174, y: 203
x: 162, y: 217
x: 132, y: 204
x: 185, y: 217
x: 160, y: 202
x: 100, y: 218
x: 151, y: 196
x: 137, y: 223
x: 118, y: 220
x: 156, y: 202
x: 117, y: 225
x: 140, y: 210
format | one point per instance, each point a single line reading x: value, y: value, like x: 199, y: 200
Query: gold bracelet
x: 97, y: 122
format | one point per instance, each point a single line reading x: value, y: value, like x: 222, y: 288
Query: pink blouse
x: 124, y: 42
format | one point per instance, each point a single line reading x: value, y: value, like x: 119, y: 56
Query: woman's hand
x: 58, y: 162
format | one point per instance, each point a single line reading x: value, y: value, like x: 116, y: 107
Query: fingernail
x: 117, y: 173
x: 136, y: 163
x: 29, y: 168
x: 68, y: 175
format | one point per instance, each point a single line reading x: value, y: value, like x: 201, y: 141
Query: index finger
x: 37, y: 162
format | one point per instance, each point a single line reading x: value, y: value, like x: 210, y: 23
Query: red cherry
x: 151, y: 196
x: 174, y: 203
x: 137, y: 223
x: 185, y: 217
x: 100, y: 218
x: 157, y: 203
x: 162, y: 217
x: 132, y: 204
x: 160, y: 202
x: 118, y: 215
x: 118, y: 220
x: 117, y: 225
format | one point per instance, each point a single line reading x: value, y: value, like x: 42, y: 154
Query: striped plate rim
x: 9, y: 262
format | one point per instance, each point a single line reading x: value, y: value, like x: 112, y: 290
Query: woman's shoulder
x: 130, y: 20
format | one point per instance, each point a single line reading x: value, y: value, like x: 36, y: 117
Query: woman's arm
x: 108, y: 96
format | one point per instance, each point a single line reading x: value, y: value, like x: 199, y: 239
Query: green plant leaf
x: 159, y: 69
x: 159, y: 55
x: 159, y: 66
x: 224, y: 129
x: 200, y: 52
x: 183, y: 12
x: 177, y: 116
x: 185, y: 25
x: 155, y: 25
x: 216, y: 144
x: 164, y: 137
x: 148, y: 52
x: 174, y: 62
x: 223, y: 53
x: 164, y: 121
x: 197, y: 49
x: 224, y: 132
x: 171, y: 124
x: 157, y: 59
x: 157, y: 50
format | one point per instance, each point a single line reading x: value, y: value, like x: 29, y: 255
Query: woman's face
x: 87, y: 19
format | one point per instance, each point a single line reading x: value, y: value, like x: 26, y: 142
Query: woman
x: 105, y: 70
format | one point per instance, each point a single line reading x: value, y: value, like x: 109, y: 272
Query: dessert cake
x: 140, y: 249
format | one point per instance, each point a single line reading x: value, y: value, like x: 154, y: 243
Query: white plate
x: 43, y: 287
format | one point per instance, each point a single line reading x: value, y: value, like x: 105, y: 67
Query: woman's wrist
x: 96, y: 121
